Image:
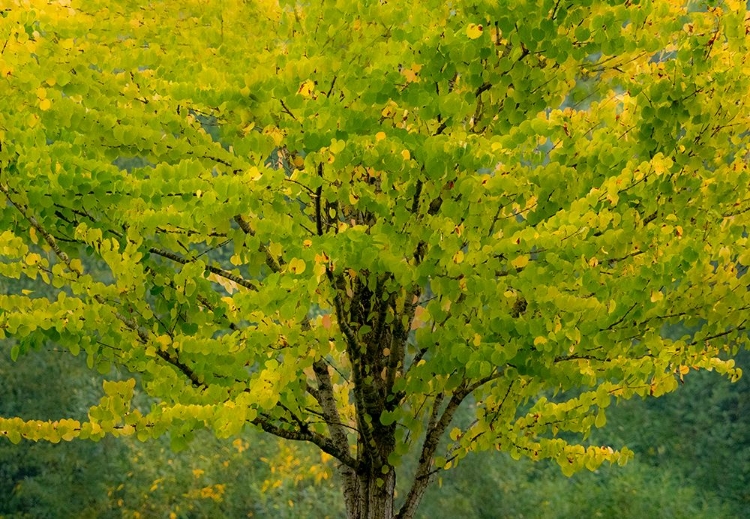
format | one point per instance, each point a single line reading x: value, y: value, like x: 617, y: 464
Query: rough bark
x: 371, y: 494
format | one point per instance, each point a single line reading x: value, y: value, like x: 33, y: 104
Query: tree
x: 350, y: 219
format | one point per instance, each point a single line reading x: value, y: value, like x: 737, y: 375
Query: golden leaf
x: 306, y: 88
x: 474, y: 31
x: 521, y: 261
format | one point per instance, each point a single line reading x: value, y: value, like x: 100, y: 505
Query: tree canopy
x: 340, y: 222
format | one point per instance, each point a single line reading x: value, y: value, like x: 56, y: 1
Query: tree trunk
x: 369, y: 495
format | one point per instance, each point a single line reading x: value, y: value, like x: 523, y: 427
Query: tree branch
x: 325, y: 397
x: 273, y: 263
x: 325, y: 444
x: 143, y: 336
x: 215, y: 270
x: 435, y: 430
x: 318, y: 203
x: 430, y: 445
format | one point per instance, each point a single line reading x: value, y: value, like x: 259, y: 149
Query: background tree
x: 420, y: 211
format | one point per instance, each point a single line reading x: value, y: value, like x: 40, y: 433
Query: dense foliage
x: 367, y: 216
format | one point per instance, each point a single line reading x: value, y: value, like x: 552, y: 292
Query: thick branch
x: 325, y: 444
x: 435, y: 430
x: 325, y: 397
x: 355, y: 357
x: 430, y: 445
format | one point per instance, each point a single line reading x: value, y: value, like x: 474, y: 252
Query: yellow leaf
x: 33, y: 259
x: 70, y: 435
x: 388, y: 111
x: 164, y: 341
x: 379, y: 136
x: 474, y: 31
x: 458, y: 257
x: 412, y: 74
x: 297, y: 266
x: 33, y: 236
x: 409, y: 74
x: 41, y: 93
x: 76, y: 265
x: 45, y: 104
x: 540, y: 340
x: 254, y: 173
x: 406, y: 155
x: 521, y: 261
x: 247, y: 129
x: 276, y: 134
x: 228, y: 285
x: 684, y: 370
x: 656, y: 295
x: 306, y: 88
